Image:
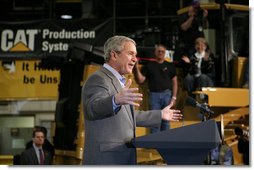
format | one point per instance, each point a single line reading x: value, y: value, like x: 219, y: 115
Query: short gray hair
x: 115, y: 43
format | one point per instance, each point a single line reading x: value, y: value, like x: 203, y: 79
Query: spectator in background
x: 199, y: 68
x: 46, y: 145
x: 36, y: 155
x: 162, y: 83
x: 192, y: 25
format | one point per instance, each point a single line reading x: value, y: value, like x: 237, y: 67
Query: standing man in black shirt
x: 162, y: 83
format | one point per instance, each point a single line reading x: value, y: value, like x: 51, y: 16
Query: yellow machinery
x: 232, y: 110
x: 6, y: 160
x: 232, y: 103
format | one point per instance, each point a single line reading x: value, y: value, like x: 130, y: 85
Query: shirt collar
x: 36, y: 148
x: 119, y: 77
x: 200, y: 55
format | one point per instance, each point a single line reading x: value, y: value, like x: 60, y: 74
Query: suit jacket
x: 46, y: 146
x: 107, y: 133
x: 28, y: 157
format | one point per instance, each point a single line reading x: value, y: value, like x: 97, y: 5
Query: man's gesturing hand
x: 171, y: 114
x: 128, y: 95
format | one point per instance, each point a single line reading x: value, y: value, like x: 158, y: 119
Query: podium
x: 187, y: 145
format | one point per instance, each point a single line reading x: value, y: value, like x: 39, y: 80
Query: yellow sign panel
x: 26, y: 80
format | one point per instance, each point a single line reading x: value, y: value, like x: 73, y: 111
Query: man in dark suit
x: 110, y: 119
x: 46, y: 145
x: 36, y: 155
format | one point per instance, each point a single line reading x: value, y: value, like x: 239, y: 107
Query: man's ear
x: 113, y: 55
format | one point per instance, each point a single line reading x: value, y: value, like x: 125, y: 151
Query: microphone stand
x: 203, y: 113
x: 206, y: 116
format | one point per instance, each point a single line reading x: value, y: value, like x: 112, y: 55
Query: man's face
x: 125, y: 59
x: 160, y: 53
x: 193, y: 10
x: 38, y: 139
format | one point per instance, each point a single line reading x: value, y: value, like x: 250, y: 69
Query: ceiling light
x: 66, y: 16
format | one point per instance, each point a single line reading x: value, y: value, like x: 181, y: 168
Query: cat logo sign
x: 20, y: 47
x: 21, y: 41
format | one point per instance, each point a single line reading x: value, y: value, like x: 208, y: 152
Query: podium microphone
x: 202, y: 107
